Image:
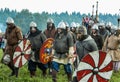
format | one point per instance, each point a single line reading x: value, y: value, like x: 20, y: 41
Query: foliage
x: 23, y: 18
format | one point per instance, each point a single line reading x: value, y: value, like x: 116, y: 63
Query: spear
x: 97, y: 19
x: 119, y: 19
x: 92, y: 11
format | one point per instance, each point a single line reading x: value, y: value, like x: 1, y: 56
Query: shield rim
x: 99, y: 64
x: 43, y: 48
x: 25, y: 56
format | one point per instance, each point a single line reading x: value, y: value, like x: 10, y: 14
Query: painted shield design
x: 22, y: 53
x: 45, y: 51
x: 96, y: 66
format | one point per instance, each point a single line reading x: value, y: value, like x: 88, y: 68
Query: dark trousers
x: 33, y: 65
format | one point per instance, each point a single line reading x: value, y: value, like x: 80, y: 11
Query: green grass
x: 25, y: 77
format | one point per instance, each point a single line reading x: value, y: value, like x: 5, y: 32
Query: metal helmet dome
x: 33, y: 24
x: 66, y: 23
x: 61, y: 25
x: 73, y: 24
x: 10, y: 20
x: 101, y: 24
x: 50, y: 20
x: 91, y: 22
x: 109, y: 24
x: 114, y: 27
x: 95, y: 26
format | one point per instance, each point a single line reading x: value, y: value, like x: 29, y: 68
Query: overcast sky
x: 82, y: 6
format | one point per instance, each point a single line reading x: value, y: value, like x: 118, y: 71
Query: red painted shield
x: 45, y: 51
x: 95, y: 67
x: 22, y: 53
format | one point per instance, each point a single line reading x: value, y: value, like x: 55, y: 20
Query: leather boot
x: 74, y: 79
x: 54, y: 75
x: 12, y: 69
x: 16, y: 71
x: 44, y: 73
x: 32, y: 74
x: 69, y: 75
x: 50, y: 68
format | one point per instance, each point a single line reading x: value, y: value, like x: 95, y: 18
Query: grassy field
x: 25, y: 77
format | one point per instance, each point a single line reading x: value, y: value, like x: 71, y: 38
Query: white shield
x: 96, y: 66
x: 22, y: 53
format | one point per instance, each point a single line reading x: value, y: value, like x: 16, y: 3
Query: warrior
x: 67, y: 27
x: 90, y: 24
x: 103, y: 31
x: 50, y: 31
x: 62, y: 51
x: 111, y: 46
x: 109, y: 27
x: 13, y: 36
x: 72, y: 29
x: 96, y: 36
x: 85, y: 44
x: 36, y: 38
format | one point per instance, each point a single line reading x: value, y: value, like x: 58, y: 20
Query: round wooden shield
x: 96, y: 66
x: 22, y: 53
x: 45, y: 51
